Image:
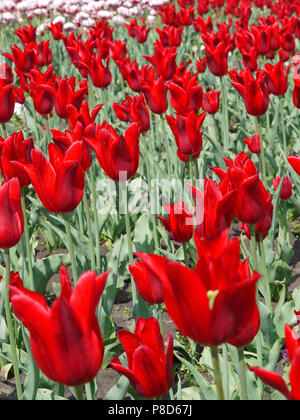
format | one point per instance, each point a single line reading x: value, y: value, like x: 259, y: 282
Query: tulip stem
x: 265, y: 280
x: 96, y: 222
x: 71, y: 249
x: 226, y: 371
x: 27, y: 242
x: 253, y: 247
x: 89, y: 228
x: 10, y: 327
x: 104, y: 101
x: 130, y: 252
x: 282, y: 99
x: 191, y: 169
x: 225, y: 114
x: 262, y: 150
x: 185, y: 253
x: 78, y: 392
x: 166, y: 143
x: 217, y: 372
x: 242, y: 374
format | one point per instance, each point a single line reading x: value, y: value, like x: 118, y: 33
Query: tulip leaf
x: 143, y: 240
x: 45, y: 268
x: 31, y: 383
x: 206, y: 389
x: 44, y: 394
x: 118, y: 391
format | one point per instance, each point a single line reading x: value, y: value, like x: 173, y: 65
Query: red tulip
x: 294, y: 161
x: 59, y: 183
x: 43, y: 96
x: 170, y: 36
x: 277, y: 78
x: 15, y: 150
x: 163, y: 61
x: 251, y: 196
x: 187, y: 134
x: 24, y: 60
x: 250, y: 59
x: 133, y: 110
x: 140, y: 33
x: 65, y: 339
x: 43, y: 54
x: 149, y: 364
x: 274, y: 380
x: 118, y: 50
x: 216, y: 53
x: 211, y: 101
x: 213, y: 210
x: 254, y: 91
x: 185, y: 94
x: 6, y: 74
x: 214, y: 303
x: 180, y: 222
x: 7, y: 102
x: 253, y: 143
x: 11, y: 216
x: 83, y: 115
x: 66, y: 95
x: 26, y: 34
x: 100, y: 74
x: 147, y: 283
x: 287, y: 187
x: 117, y: 155
x: 57, y: 31
x: 155, y: 92
x: 263, y: 226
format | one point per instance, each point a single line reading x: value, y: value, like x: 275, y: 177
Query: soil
x: 122, y: 318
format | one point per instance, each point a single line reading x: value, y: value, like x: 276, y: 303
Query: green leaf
x: 45, y: 268
x: 118, y: 391
x: 44, y: 394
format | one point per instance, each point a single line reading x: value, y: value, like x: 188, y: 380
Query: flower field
x: 150, y: 200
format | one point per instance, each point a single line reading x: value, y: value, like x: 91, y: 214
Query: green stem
x: 27, y: 242
x: 225, y: 114
x: 282, y: 101
x: 10, y: 327
x: 191, y: 169
x: 130, y: 253
x: 185, y: 253
x: 71, y: 249
x: 78, y: 393
x: 226, y: 372
x: 96, y: 222
x: 167, y: 148
x: 104, y: 101
x: 217, y: 372
x: 89, y: 228
x: 242, y: 374
x: 253, y: 247
x: 262, y: 150
x: 152, y: 217
x: 265, y: 280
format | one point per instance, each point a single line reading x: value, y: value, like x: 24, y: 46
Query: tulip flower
x: 118, y: 50
x: 211, y: 101
x: 65, y: 339
x: 264, y: 225
x: 24, y: 60
x: 254, y: 92
x: 185, y: 94
x: 155, y: 92
x: 58, y: 183
x: 170, y: 36
x: 149, y: 364
x: 274, y: 380
x: 26, y: 34
x: 11, y: 216
x: 216, y: 53
x: 250, y: 59
x: 277, y: 78
x: 7, y: 102
x: 163, y: 61
x: 14, y: 150
x: 6, y: 74
x: 147, y: 283
x: 253, y: 143
x: 66, y: 95
x: 117, y: 155
x: 214, y: 303
x: 43, y: 54
x: 180, y: 222
x: 56, y: 30
x: 66, y: 144
x: 213, y: 210
x: 140, y: 33
x: 294, y: 161
x: 100, y: 74
x: 43, y: 96
x: 286, y: 189
x: 251, y: 196
x: 187, y: 134
x: 134, y: 110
